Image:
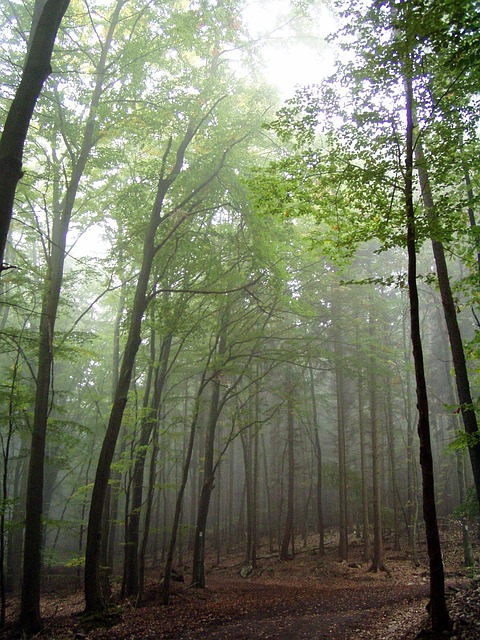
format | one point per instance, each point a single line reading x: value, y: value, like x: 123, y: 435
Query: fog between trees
x: 206, y: 332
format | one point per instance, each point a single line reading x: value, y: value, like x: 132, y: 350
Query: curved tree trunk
x: 93, y: 593
x: 37, y: 68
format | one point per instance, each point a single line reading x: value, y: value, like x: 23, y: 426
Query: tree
x: 47, y: 17
x: 30, y: 607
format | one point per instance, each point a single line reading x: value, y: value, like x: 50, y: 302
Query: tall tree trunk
x: 393, y: 463
x: 30, y: 602
x: 342, y: 465
x: 93, y: 594
x: 367, y: 548
x: 37, y: 68
x: 454, y: 335
x: 109, y: 526
x: 142, y: 552
x: 438, y: 608
x: 289, y: 518
x: 148, y: 425
x: 378, y: 552
x: 319, y: 471
x: 471, y: 201
x: 198, y: 564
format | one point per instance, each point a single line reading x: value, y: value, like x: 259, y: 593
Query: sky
x: 292, y: 59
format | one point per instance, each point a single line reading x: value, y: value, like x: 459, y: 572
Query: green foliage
x: 469, y: 508
x: 463, y: 441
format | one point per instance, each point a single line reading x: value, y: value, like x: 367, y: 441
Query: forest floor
x: 304, y: 598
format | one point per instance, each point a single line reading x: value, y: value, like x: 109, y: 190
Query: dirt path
x: 338, y: 614
x: 306, y: 599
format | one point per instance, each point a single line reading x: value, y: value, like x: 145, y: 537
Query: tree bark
x: 454, y: 335
x: 36, y: 70
x: 148, y: 425
x: 198, y: 564
x: 93, y: 594
x: 438, y: 608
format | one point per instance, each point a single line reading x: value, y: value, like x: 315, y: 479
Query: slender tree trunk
x: 30, y: 618
x: 93, y: 594
x: 342, y: 465
x: 268, y: 496
x: 319, y: 470
x: 246, y: 440
x: 367, y: 551
x: 378, y: 552
x: 30, y: 603
x: 37, y: 68
x: 393, y: 463
x: 109, y: 526
x: 198, y: 564
x: 15, y: 537
x: 454, y: 335
x: 438, y: 608
x: 471, y: 201
x: 289, y: 518
x: 142, y: 552
x: 148, y: 425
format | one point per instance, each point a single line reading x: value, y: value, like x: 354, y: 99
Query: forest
x: 238, y: 328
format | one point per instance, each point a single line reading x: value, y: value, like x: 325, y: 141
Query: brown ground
x: 305, y: 598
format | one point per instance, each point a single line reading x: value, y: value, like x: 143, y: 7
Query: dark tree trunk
x: 438, y: 608
x: 181, y: 492
x: 36, y: 70
x: 198, y: 564
x: 148, y: 425
x: 454, y: 335
x: 93, y: 594
x: 30, y: 620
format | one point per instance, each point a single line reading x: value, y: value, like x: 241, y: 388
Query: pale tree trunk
x: 471, y: 201
x: 268, y: 495
x: 342, y: 464
x: 438, y: 608
x: 288, y: 532
x: 319, y: 471
x: 46, y: 22
x: 367, y: 547
x: 378, y: 552
x: 393, y: 462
